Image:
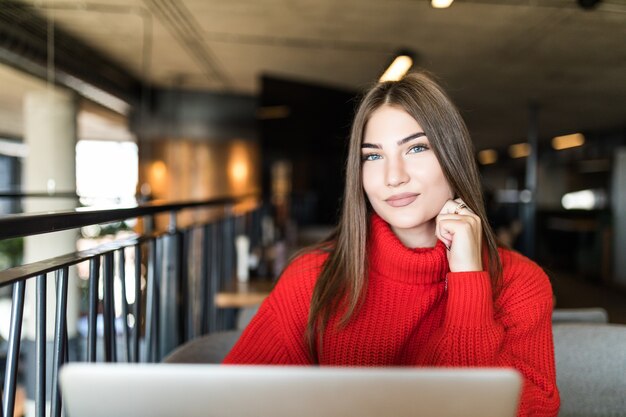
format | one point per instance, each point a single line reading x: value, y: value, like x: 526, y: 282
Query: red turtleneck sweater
x: 418, y: 313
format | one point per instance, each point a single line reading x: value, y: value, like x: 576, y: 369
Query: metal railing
x: 184, y: 270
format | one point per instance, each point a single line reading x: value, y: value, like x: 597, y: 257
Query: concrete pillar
x: 50, y: 135
x: 618, y: 198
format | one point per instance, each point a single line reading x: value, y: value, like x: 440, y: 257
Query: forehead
x: 389, y: 124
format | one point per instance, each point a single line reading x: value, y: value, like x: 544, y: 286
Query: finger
x: 449, y: 206
x: 468, y: 215
x: 464, y: 252
x: 438, y: 232
x: 451, y: 225
x: 456, y: 206
x: 470, y: 218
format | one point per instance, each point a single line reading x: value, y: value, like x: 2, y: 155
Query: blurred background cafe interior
x: 161, y: 160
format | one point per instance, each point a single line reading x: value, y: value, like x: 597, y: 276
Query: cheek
x: 434, y: 182
x: 441, y: 187
x: 369, y: 178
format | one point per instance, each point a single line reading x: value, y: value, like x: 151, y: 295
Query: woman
x: 412, y: 276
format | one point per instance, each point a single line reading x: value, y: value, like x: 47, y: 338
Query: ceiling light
x: 441, y: 4
x: 487, y: 156
x: 398, y: 68
x: 568, y: 141
x: 519, y: 150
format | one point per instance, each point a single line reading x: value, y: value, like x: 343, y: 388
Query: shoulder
x: 290, y: 300
x: 300, y: 275
x: 522, y: 279
x: 307, y: 262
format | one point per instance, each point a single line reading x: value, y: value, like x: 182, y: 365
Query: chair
x: 211, y: 348
x: 580, y: 315
x: 591, y: 369
x: 245, y: 316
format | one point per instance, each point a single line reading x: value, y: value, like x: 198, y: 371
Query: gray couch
x: 591, y: 369
x: 212, y: 348
x: 590, y: 362
x: 580, y: 315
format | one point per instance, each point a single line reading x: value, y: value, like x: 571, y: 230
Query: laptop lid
x: 160, y: 390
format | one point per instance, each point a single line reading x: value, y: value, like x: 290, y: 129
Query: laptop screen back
x: 105, y: 390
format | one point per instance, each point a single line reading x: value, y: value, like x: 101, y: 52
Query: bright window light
x: 584, y: 200
x: 441, y: 4
x: 398, y: 68
x: 106, y: 172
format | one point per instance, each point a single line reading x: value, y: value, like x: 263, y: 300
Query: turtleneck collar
x: 390, y: 258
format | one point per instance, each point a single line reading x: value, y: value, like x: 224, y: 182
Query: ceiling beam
x: 25, y: 45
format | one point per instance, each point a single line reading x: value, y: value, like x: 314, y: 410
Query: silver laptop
x: 117, y: 390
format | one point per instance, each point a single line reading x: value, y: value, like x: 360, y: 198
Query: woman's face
x: 402, y: 177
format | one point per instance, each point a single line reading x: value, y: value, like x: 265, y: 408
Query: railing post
x: 185, y: 301
x: 158, y: 285
x: 109, y: 310
x: 137, y: 307
x: 59, y: 337
x: 121, y: 263
x: 66, y: 343
x: 40, y: 347
x: 92, y: 329
x: 152, y: 300
x: 205, y: 276
x: 216, y: 271
x: 15, y: 334
x: 169, y: 291
x: 227, y: 315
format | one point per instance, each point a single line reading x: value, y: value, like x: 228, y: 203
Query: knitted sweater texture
x: 417, y: 313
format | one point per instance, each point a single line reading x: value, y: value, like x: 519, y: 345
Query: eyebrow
x: 400, y: 142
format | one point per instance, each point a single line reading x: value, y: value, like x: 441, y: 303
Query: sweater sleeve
x: 520, y: 337
x: 275, y: 336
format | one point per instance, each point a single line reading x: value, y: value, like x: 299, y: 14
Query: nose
x: 396, y: 174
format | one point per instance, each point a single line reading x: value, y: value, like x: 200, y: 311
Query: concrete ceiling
x: 494, y: 57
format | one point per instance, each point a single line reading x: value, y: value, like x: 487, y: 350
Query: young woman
x: 413, y: 275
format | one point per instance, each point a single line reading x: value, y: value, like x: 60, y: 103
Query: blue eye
x: 418, y: 149
x: 370, y: 157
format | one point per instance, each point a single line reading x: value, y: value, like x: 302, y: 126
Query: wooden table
x: 244, y: 294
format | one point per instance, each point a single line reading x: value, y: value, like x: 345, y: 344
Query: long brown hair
x: 343, y: 278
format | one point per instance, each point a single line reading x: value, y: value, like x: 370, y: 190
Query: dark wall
x: 196, y: 115
x: 314, y: 137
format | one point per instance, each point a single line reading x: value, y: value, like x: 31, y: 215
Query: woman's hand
x: 461, y: 231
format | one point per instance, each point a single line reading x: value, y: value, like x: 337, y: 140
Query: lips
x: 401, y: 200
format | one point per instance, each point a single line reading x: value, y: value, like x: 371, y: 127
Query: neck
x: 422, y: 236
x: 389, y: 257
